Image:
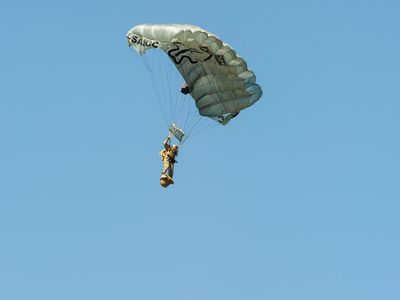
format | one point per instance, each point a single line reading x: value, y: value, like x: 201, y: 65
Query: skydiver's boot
x: 166, y: 180
x: 170, y: 180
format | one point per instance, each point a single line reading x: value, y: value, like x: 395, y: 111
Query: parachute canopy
x: 219, y: 80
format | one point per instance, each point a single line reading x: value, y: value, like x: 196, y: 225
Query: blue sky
x: 297, y: 198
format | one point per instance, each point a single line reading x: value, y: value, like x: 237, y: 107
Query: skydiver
x: 168, y: 155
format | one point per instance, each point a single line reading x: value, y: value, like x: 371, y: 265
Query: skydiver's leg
x: 165, y: 167
x: 171, y: 170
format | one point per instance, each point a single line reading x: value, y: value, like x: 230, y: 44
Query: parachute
x: 220, y: 82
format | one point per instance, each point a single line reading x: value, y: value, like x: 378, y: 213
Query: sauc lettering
x: 143, y: 42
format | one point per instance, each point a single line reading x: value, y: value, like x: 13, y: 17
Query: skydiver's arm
x: 166, y: 143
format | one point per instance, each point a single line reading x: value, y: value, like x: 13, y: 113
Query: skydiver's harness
x: 172, y: 160
x: 169, y: 158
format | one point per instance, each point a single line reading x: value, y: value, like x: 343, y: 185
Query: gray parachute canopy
x: 219, y: 80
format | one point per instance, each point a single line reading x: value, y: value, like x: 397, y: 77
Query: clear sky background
x: 297, y: 198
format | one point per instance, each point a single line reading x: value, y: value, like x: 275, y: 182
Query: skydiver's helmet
x: 175, y: 148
